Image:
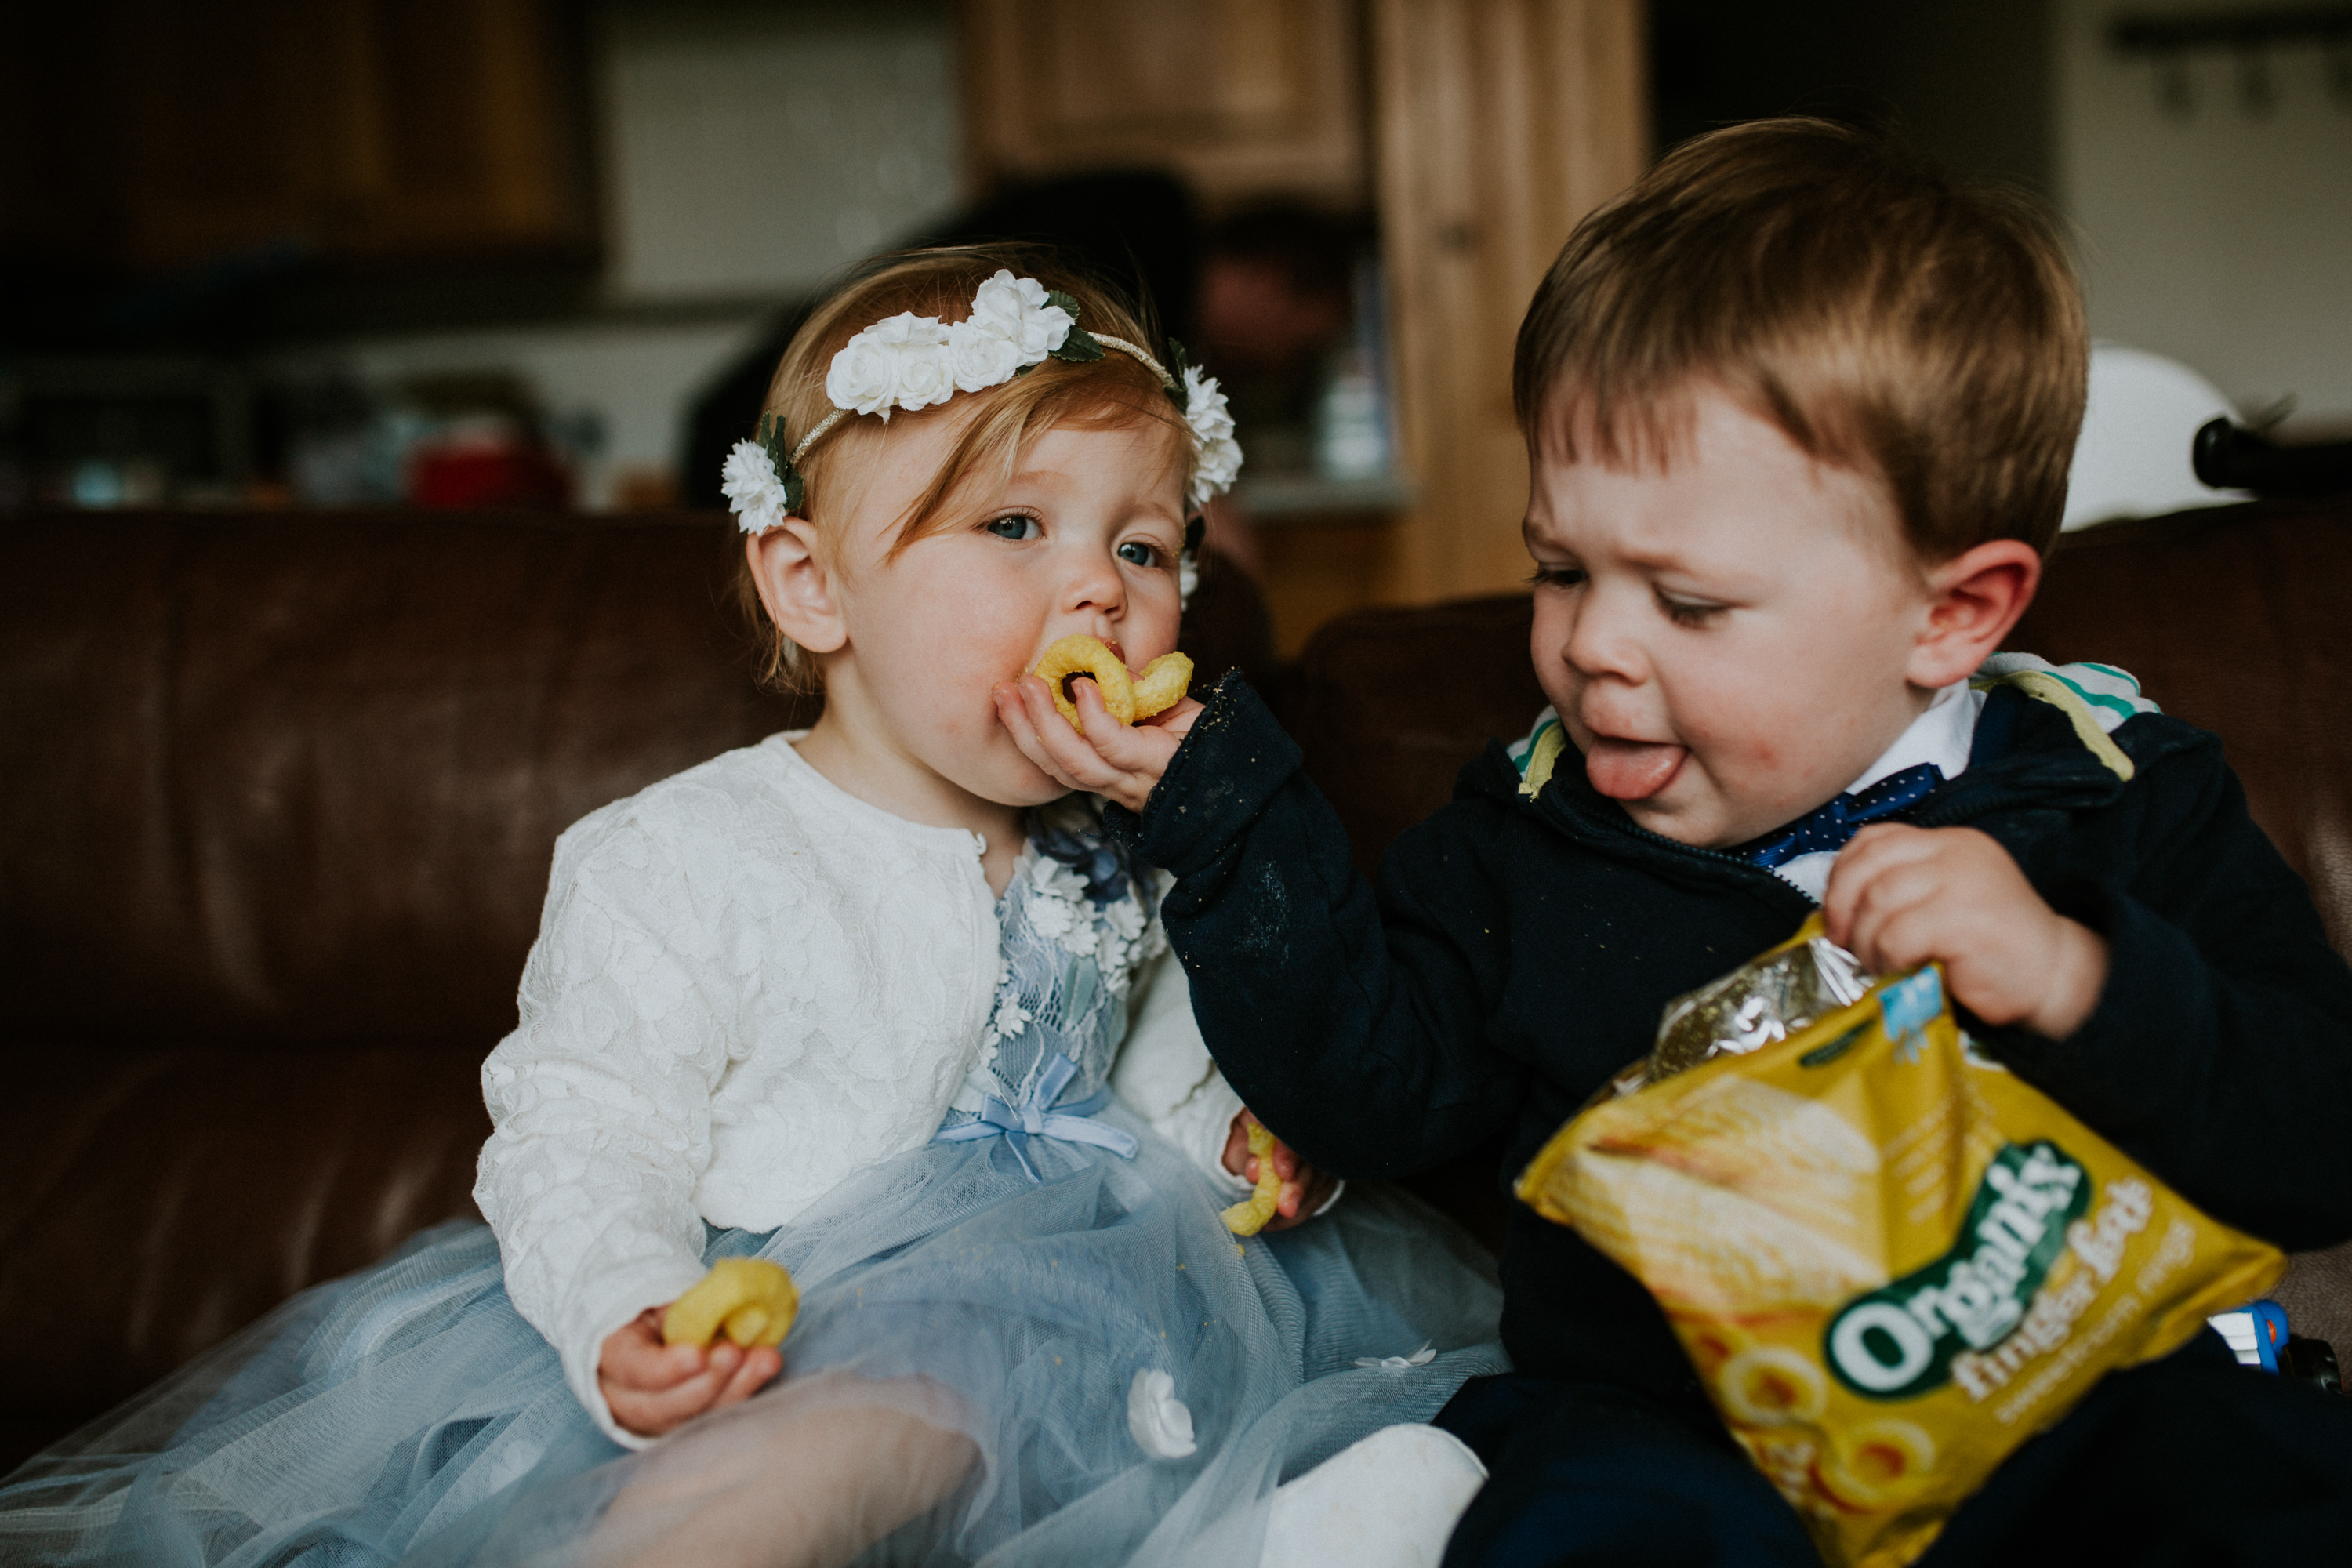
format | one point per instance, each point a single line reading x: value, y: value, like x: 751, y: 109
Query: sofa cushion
x: 2232, y: 618
x: 160, y: 1199
x: 1388, y: 704
x: 295, y: 780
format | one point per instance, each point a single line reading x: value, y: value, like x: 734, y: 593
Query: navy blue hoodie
x: 1516, y: 951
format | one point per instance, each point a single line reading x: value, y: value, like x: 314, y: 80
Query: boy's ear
x: 797, y: 586
x: 1973, y: 600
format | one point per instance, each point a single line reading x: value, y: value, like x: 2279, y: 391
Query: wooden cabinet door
x: 1501, y: 122
x: 355, y: 130
x: 1244, y: 96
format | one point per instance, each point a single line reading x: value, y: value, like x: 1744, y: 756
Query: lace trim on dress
x: 1077, y: 925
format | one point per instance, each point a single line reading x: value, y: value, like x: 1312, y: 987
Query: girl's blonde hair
x: 1114, y: 391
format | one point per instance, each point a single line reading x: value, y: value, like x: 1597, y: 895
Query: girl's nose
x: 1095, y: 583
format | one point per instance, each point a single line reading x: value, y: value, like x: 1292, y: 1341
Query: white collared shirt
x: 1942, y: 735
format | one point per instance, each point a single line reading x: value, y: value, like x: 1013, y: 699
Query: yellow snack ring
x: 1771, y: 1386
x: 1878, y: 1464
x: 753, y: 1299
x: 1250, y: 1215
x: 1162, y: 684
x: 1081, y: 655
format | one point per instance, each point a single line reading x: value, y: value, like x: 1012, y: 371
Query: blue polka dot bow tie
x: 1829, y: 826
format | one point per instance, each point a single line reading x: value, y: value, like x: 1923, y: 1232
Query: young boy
x: 1799, y: 411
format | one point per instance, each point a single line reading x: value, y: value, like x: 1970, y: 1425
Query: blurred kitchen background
x: 543, y: 253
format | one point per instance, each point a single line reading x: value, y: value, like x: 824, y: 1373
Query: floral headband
x: 912, y: 361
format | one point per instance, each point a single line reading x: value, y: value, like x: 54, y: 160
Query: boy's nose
x: 1600, y: 642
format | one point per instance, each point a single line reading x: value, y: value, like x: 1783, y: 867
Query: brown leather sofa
x: 278, y: 794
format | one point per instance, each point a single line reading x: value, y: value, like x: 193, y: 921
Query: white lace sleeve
x: 601, y: 1098
x: 1166, y: 1076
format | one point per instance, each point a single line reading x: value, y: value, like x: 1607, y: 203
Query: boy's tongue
x: 1632, y: 770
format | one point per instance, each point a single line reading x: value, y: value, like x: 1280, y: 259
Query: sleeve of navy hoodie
x: 1353, y: 1024
x: 2219, y: 1054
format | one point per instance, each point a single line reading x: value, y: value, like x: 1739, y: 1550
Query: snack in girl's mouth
x: 752, y: 1299
x: 1126, y: 698
x: 1250, y: 1215
x: 1890, y: 1261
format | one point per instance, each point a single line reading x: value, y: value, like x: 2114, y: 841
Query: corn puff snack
x: 1890, y: 1261
x: 1251, y: 1214
x: 1126, y: 698
x: 752, y: 1299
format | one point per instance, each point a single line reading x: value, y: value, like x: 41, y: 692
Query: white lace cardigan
x: 748, y: 985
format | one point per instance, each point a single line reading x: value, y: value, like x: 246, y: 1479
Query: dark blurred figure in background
x: 1260, y: 298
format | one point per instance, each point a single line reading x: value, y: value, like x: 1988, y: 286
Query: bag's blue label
x: 1899, y: 1341
x: 1909, y: 1006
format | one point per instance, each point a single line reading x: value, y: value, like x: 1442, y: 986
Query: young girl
x: 852, y: 1000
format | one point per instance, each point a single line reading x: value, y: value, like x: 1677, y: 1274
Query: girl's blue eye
x: 1135, y: 553
x: 1014, y: 526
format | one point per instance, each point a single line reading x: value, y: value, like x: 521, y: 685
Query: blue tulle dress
x: 1020, y: 1281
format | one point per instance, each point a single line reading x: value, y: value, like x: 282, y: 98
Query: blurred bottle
x: 1352, y: 438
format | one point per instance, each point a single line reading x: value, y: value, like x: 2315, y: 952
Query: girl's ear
x: 1973, y: 600
x: 797, y: 586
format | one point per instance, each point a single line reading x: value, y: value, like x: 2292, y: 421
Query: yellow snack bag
x: 1890, y: 1260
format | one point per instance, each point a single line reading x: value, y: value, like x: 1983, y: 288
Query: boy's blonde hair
x: 1888, y: 318
x: 1114, y: 391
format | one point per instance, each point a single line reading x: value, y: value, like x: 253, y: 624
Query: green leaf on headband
x: 1068, y: 303
x: 1179, y: 362
x: 771, y: 438
x: 1080, y: 348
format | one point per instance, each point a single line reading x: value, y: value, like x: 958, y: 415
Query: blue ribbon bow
x: 1037, y: 1117
x: 1830, y: 827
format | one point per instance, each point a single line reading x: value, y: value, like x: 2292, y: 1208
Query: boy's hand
x: 1305, y: 1189
x: 655, y: 1388
x: 1111, y: 759
x: 1899, y: 896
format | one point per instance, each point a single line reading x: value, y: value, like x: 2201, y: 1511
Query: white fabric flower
x: 1126, y: 917
x: 1421, y: 1357
x: 1160, y: 1424
x: 1052, y: 919
x: 901, y: 363
x: 1011, y: 1018
x: 1014, y: 309
x: 926, y: 374
x: 754, y: 491
x: 1218, y: 462
x: 981, y: 358
x: 1082, y: 939
x: 1057, y: 878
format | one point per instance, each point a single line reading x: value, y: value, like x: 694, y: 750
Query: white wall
x: 755, y: 147
x: 2221, y: 239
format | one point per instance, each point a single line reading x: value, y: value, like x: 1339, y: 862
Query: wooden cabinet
x: 1245, y: 97
x: 1500, y: 123
x: 170, y: 135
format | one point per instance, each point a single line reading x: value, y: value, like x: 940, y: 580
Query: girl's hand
x: 655, y: 1388
x: 1111, y: 759
x: 1899, y: 896
x: 1305, y: 1189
